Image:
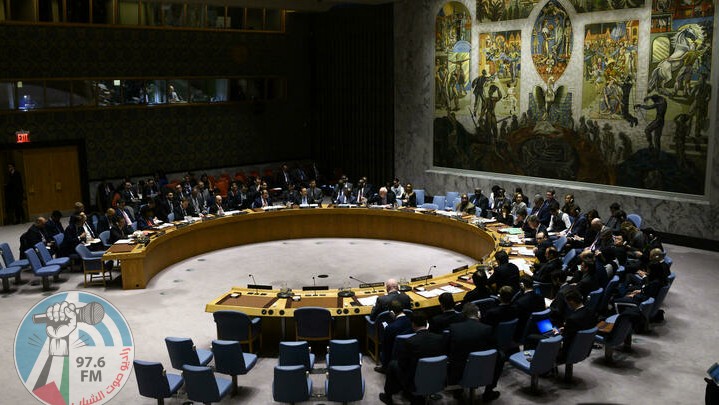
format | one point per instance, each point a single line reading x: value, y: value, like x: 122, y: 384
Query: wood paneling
x: 52, y: 179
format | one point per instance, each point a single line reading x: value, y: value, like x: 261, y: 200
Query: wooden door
x: 52, y: 179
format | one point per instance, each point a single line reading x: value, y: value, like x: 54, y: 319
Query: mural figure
x: 499, y: 62
x: 653, y: 130
x: 552, y: 33
x: 503, y: 10
x: 453, y: 30
x: 586, y: 6
x: 687, y: 49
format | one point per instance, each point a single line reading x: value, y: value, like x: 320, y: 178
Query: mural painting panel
x: 499, y: 65
x: 503, y: 10
x: 551, y: 41
x: 453, y: 28
x: 587, y: 6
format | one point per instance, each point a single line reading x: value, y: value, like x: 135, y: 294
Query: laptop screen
x: 544, y: 326
x: 714, y: 372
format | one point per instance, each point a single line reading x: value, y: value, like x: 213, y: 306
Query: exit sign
x: 22, y: 136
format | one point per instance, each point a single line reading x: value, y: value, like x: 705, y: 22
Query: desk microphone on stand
x: 257, y: 291
x: 426, y: 280
x: 314, y: 286
x: 363, y: 282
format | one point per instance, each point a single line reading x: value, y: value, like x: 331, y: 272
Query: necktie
x: 127, y: 218
x: 304, y: 200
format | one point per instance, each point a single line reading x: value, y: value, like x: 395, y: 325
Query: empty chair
x: 182, y: 351
x: 296, y: 353
x: 230, y: 360
x: 344, y: 384
x: 343, y: 353
x: 47, y: 259
x: 201, y: 384
x: 154, y: 382
x: 9, y: 272
x: 635, y: 219
x: 560, y: 242
x: 504, y: 334
x: 420, y: 197
x: 594, y: 298
x: 479, y: 371
x: 430, y: 206
x: 430, y: 375
x: 313, y: 323
x: 236, y: 325
x: 568, y: 259
x: 539, y: 361
x: 105, y: 238
x: 439, y: 201
x: 291, y: 384
x: 621, y: 334
x: 92, y: 266
x: 41, y: 271
x: 9, y: 258
x: 579, y: 350
x: 449, y: 198
x: 373, y: 335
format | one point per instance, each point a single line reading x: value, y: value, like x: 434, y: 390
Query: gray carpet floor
x: 666, y: 366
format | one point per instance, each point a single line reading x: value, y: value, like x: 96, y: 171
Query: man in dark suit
x: 544, y: 213
x: 526, y: 303
x: 480, y: 291
x: 314, y: 192
x: 303, y: 198
x: 36, y: 233
x: 535, y: 227
x: 466, y: 337
x: 506, y: 273
x: 441, y: 321
x: 362, y: 191
x: 553, y: 263
x: 54, y: 225
x: 543, y: 243
x: 165, y: 205
x: 480, y: 201
x: 383, y: 302
x: 263, y: 200
x: 104, y: 222
x: 400, y: 373
x: 399, y: 326
x: 383, y: 197
x: 578, y: 318
x: 105, y: 191
x: 346, y: 197
x: 504, y: 312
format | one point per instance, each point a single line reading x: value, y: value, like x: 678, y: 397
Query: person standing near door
x: 14, y: 195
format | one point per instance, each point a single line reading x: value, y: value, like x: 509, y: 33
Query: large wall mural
x: 598, y: 124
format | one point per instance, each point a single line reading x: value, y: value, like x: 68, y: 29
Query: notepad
x: 368, y: 301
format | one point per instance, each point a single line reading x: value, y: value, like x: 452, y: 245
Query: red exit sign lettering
x: 22, y: 136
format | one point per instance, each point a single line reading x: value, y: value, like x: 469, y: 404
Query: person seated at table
x: 147, y: 218
x: 559, y: 220
x: 544, y: 271
x: 36, y: 233
x: 74, y: 234
x: 657, y: 276
x: 535, y: 226
x: 165, y: 205
x: 393, y: 293
x: 527, y: 301
x: 399, y: 325
x: 315, y: 192
x: 481, y: 202
x: 218, y: 207
x: 481, y: 289
x: 54, y: 224
x: 518, y: 204
x: 346, y: 197
x: 118, y: 230
x: 290, y: 194
x: 505, y: 216
x: 505, y: 274
x: 543, y: 243
x: 383, y: 197
x: 448, y: 316
x: 504, y: 312
x: 303, y: 198
x: 586, y: 278
x: 362, y: 191
x: 397, y: 189
x: 410, y: 198
x: 103, y: 223
x: 464, y: 206
x: 197, y: 201
x: 183, y: 210
x: 263, y: 200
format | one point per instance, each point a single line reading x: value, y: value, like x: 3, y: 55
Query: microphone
x: 363, y: 282
x: 314, y: 286
x: 426, y: 280
x: 257, y: 292
x: 91, y: 314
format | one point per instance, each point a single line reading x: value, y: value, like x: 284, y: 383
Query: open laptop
x: 714, y: 372
x: 545, y: 327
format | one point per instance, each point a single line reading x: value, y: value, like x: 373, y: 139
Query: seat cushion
x: 250, y: 360
x: 223, y: 386
x: 47, y: 271
x: 519, y: 360
x: 175, y: 382
x: 10, y: 271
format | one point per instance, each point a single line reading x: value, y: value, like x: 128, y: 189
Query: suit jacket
x: 298, y: 199
x: 71, y: 239
x: 399, y: 326
x: 579, y: 226
x: 501, y: 313
x: 117, y: 234
x: 258, y: 202
x: 216, y: 209
x: 53, y: 228
x: 466, y: 337
x: 316, y: 194
x: 181, y: 213
x: 103, y: 224
x: 478, y: 293
x: 527, y: 303
x: 440, y: 322
x: 163, y: 209
x: 544, y: 214
x: 383, y: 302
x: 377, y: 200
x: 544, y: 273
x: 346, y: 200
x: 480, y: 202
x: 423, y: 344
x: 579, y: 319
x: 412, y: 200
x: 505, y: 274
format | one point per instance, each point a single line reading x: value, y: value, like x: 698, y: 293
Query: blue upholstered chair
x: 182, y: 351
x: 609, y: 292
x: 9, y: 272
x: 399, y: 342
x: 92, y: 266
x: 479, y: 370
x: 539, y: 361
x: 201, y: 384
x: 579, y: 350
x: 504, y: 334
x: 44, y: 272
x: 154, y: 382
x: 620, y: 335
x: 534, y: 317
x: 105, y: 238
x: 9, y: 258
x: 230, y: 360
x: 374, y: 333
x: 568, y: 258
x: 559, y: 243
x: 313, y: 323
x: 291, y: 384
x: 449, y: 199
x: 430, y: 376
x: 635, y: 219
x: 343, y: 353
x: 440, y: 201
x: 430, y: 206
x: 594, y: 298
x: 420, y: 197
x: 344, y: 384
x: 47, y: 259
x: 236, y: 325
x: 296, y: 353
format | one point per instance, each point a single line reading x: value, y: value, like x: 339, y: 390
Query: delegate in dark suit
x: 500, y: 313
x: 400, y: 326
x: 465, y: 337
x: 505, y: 274
x: 579, y: 319
x: 442, y: 321
x: 382, y: 303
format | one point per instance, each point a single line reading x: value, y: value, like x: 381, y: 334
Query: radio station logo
x: 74, y: 348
